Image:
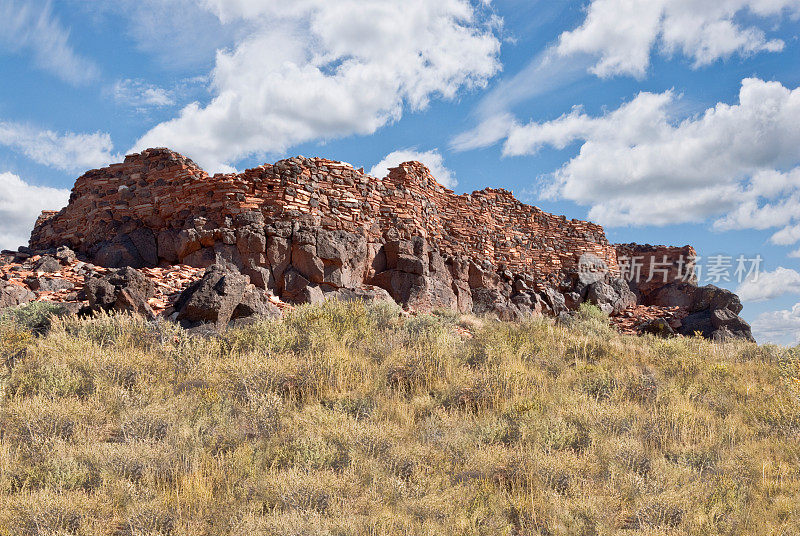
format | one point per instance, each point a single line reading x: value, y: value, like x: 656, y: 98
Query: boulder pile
x: 158, y: 236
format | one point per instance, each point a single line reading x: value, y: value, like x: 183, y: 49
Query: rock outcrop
x: 12, y: 295
x: 664, y: 277
x: 309, y: 229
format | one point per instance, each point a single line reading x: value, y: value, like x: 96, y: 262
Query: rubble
x: 73, y: 274
x: 121, y: 289
x: 639, y: 319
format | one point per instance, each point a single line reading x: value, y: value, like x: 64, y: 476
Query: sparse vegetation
x: 352, y: 419
x: 34, y: 317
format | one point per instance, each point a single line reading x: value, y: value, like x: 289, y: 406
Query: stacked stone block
x: 158, y: 207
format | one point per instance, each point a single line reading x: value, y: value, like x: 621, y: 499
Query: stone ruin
x: 310, y: 229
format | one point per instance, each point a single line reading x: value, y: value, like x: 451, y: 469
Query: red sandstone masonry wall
x: 160, y: 189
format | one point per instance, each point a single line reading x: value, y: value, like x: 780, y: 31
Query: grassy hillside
x: 354, y: 420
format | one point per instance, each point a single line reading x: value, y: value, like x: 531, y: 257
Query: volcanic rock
x: 13, y: 295
x: 214, y: 298
x: 122, y: 289
x: 659, y: 327
x: 47, y: 264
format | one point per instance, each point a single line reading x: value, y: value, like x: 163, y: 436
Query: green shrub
x: 35, y: 317
x: 588, y: 312
x: 590, y: 320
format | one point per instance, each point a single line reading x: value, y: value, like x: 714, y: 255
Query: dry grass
x: 354, y: 420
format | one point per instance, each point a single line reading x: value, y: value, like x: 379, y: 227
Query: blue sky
x: 667, y: 121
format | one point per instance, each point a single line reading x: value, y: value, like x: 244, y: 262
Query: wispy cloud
x: 545, y: 73
x: 30, y: 27
x: 65, y: 151
x: 192, y: 44
x: 140, y: 94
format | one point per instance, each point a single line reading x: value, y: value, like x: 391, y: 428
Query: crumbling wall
x: 159, y: 207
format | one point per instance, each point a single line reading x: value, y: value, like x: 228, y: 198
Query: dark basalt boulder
x: 522, y: 305
x: 718, y: 324
x: 213, y: 298
x: 487, y: 301
x: 730, y: 325
x: 611, y: 297
x: 221, y: 295
x: 13, y: 295
x: 136, y: 249
x: 222, y: 254
x: 343, y: 256
x: 366, y: 293
x: 7, y: 257
x: 47, y: 264
x: 420, y: 278
x: 402, y: 286
x: 307, y: 263
x: 255, y: 303
x: 122, y: 289
x: 278, y: 256
x: 555, y: 301
x: 298, y: 289
x: 658, y: 327
x: 694, y: 298
x: 65, y: 255
x: 48, y: 284
x: 714, y: 312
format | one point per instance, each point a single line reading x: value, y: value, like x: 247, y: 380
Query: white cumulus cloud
x: 20, y: 205
x: 66, y: 151
x: 30, y: 27
x: 778, y: 327
x: 432, y: 159
x: 639, y: 165
x: 619, y: 37
x: 770, y: 285
x: 770, y: 200
x: 623, y: 34
x: 316, y: 70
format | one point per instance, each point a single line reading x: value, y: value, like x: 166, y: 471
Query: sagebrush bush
x: 35, y: 317
x: 348, y: 419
